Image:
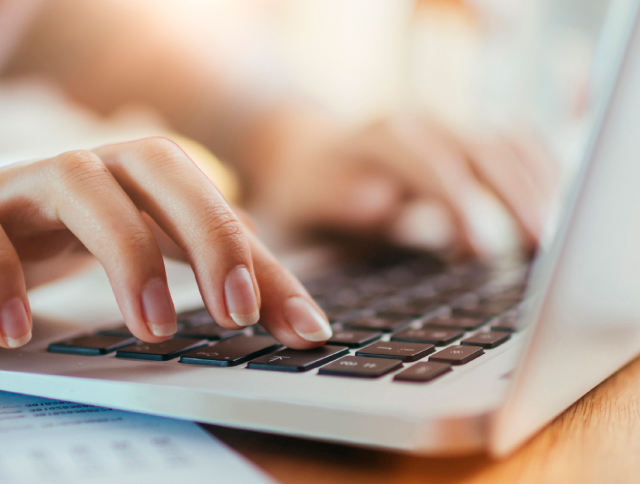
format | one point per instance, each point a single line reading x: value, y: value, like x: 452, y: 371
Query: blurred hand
x: 127, y: 204
x: 405, y: 179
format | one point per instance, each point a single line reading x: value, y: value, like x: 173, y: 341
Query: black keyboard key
x: 231, y: 352
x: 91, y: 344
x: 120, y: 330
x: 195, y: 318
x: 458, y: 354
x: 344, y: 316
x: 482, y: 308
x: 374, y: 286
x: 353, y: 338
x: 466, y: 324
x: 210, y: 331
x: 298, y: 360
x: 408, y: 311
x: 346, y: 297
x: 258, y: 330
x: 361, y: 367
x: 438, y: 337
x: 398, y: 350
x: 506, y: 299
x: 423, y: 372
x: 386, y: 325
x: 487, y: 339
x: 507, y: 323
x: 166, y: 350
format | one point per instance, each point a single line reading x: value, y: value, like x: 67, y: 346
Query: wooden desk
x: 597, y: 440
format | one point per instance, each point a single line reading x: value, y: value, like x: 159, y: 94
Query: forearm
x: 106, y: 54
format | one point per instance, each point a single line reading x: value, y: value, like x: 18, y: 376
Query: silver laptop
x: 426, y: 358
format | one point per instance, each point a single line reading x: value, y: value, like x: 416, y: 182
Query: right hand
x: 405, y: 178
x: 124, y: 203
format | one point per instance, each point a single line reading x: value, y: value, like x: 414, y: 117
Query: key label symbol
x: 277, y: 358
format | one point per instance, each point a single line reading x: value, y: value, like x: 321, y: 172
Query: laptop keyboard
x: 408, y: 314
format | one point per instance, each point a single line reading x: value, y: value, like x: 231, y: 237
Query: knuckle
x: 273, y: 272
x: 222, y: 226
x: 159, y: 150
x: 79, y: 166
x: 134, y: 242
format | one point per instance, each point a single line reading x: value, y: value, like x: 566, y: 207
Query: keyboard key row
x: 373, y: 361
x: 167, y: 350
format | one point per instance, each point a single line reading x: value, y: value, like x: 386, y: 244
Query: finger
x: 288, y: 312
x: 424, y: 224
x: 15, y: 314
x: 500, y: 167
x: 170, y: 249
x: 77, y: 191
x: 432, y: 167
x: 163, y: 182
x: 537, y: 159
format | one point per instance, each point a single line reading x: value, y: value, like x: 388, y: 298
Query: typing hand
x: 408, y: 180
x: 124, y: 203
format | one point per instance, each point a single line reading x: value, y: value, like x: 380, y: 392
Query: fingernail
x: 15, y: 323
x: 306, y: 320
x: 240, y: 295
x: 158, y: 308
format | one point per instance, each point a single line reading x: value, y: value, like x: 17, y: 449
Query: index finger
x: 163, y: 182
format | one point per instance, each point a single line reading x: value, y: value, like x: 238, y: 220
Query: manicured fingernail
x: 240, y: 295
x: 15, y: 323
x: 158, y: 308
x: 306, y: 320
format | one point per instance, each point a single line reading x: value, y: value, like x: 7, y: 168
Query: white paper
x: 49, y: 441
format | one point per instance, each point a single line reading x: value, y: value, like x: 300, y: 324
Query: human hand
x: 126, y: 204
x: 405, y: 179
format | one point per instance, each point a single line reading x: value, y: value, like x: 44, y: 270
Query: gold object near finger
x: 222, y: 176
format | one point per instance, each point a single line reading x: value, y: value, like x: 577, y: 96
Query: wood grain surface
x: 597, y: 440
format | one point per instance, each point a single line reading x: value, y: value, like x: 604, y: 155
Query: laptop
x: 426, y: 357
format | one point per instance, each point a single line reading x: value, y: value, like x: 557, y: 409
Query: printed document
x: 48, y: 441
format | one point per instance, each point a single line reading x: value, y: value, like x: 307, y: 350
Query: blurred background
x: 471, y: 64
x: 86, y: 74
